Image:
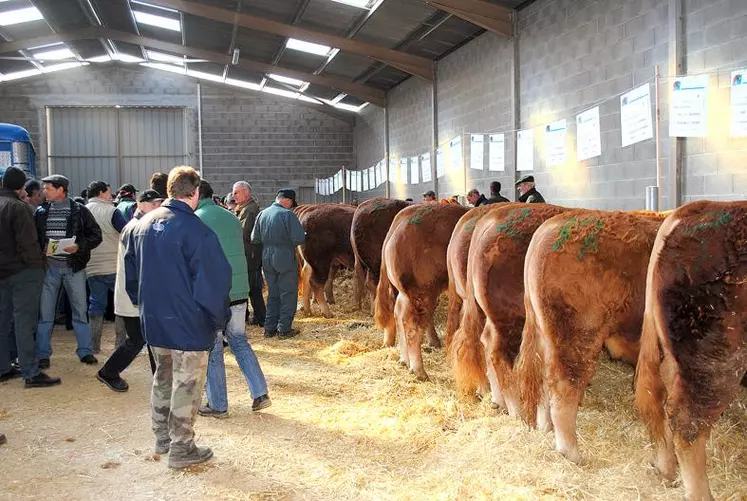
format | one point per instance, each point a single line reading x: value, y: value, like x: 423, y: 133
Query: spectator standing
x: 280, y: 232
x: 57, y: 218
x: 495, y: 194
x: 126, y: 203
x: 158, y: 182
x: 34, y: 193
x: 475, y: 198
x: 528, y: 192
x: 429, y: 196
x: 126, y: 312
x: 178, y: 276
x: 102, y: 268
x: 247, y: 209
x: 230, y: 235
x: 21, y: 282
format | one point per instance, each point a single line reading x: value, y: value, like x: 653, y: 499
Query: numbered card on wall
x: 739, y: 103
x: 525, y: 150
x: 687, y: 117
x: 425, y: 162
x: 477, y: 151
x: 555, y: 142
x: 496, y: 152
x: 414, y: 170
x: 455, y: 146
x: 440, y: 162
x: 635, y: 115
x: 588, y: 134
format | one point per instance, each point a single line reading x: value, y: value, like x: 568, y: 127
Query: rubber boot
x: 120, y: 332
x: 182, y: 455
x: 97, y: 324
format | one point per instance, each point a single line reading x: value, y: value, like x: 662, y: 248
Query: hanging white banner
x: 425, y: 162
x: 739, y: 103
x: 525, y: 150
x: 440, y: 162
x: 497, y: 153
x: 555, y: 142
x: 635, y: 116
x: 477, y: 152
x: 588, y: 134
x: 414, y: 170
x: 456, y: 153
x: 378, y: 169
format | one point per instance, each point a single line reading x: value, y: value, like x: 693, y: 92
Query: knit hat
x: 14, y: 178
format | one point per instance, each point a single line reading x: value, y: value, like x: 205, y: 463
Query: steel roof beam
x: 486, y: 15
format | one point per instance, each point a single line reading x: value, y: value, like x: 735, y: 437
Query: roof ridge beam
x: 494, y: 18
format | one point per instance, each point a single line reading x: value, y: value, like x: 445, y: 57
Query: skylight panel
x: 157, y: 21
x: 126, y: 58
x: 309, y: 99
x: 205, y: 76
x: 165, y: 67
x: 146, y: 4
x: 308, y: 47
x: 100, y: 59
x: 280, y: 92
x: 19, y: 16
x: 164, y: 58
x: 361, y: 4
x: 243, y: 84
x: 287, y: 80
x: 54, y: 54
x: 62, y: 66
x: 21, y: 74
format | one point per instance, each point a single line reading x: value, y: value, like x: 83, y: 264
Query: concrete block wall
x: 370, y: 145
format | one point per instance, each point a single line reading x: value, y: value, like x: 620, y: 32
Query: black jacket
x: 481, y: 201
x: 247, y: 216
x: 498, y: 199
x: 532, y: 197
x: 19, y: 246
x: 81, y: 224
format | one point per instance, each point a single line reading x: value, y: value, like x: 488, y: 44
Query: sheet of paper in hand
x: 57, y: 247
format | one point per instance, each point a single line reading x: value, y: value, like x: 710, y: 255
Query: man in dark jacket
x: 528, y: 192
x: 126, y: 203
x: 280, y: 232
x: 475, y: 198
x: 179, y: 277
x: 56, y: 219
x: 495, y: 193
x: 247, y: 209
x: 21, y: 282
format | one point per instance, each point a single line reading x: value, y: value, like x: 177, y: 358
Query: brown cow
x: 456, y: 264
x: 584, y: 282
x: 371, y: 223
x: 327, y: 245
x: 694, y: 340
x: 493, y: 315
x: 413, y: 276
x: 303, y: 279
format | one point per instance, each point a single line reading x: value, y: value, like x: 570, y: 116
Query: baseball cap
x: 149, y: 196
x: 127, y: 188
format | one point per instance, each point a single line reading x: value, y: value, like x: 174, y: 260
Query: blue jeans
x: 100, y: 286
x: 215, y: 385
x: 75, y: 286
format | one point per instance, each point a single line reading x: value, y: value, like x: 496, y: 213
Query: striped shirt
x: 57, y: 224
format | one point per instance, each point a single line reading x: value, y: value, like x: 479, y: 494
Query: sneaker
x: 271, y: 333
x: 260, y: 403
x: 178, y: 458
x: 13, y: 373
x: 15, y: 364
x: 89, y: 360
x: 288, y: 334
x: 44, y: 363
x: 163, y: 446
x: 206, y: 411
x: 41, y: 380
x: 115, y: 384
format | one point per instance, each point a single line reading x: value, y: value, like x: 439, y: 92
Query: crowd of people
x: 182, y: 266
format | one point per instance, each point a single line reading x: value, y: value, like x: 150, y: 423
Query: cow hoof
x: 573, y: 457
x: 330, y: 301
x: 420, y: 376
x: 404, y: 363
x: 327, y: 315
x: 435, y: 345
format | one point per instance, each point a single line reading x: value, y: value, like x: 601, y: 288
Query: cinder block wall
x: 271, y: 143
x: 370, y: 145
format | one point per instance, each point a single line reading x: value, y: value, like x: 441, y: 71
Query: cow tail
x: 385, y: 297
x: 649, y: 387
x: 530, y: 364
x: 466, y: 351
x: 454, y: 310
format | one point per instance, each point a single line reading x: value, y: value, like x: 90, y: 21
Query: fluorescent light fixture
x: 62, y: 66
x: 235, y: 56
x: 21, y: 74
x: 19, y: 16
x: 126, y: 58
x: 145, y: 4
x: 100, y: 59
x: 157, y: 21
x: 243, y: 84
x: 164, y: 58
x: 280, y: 92
x: 308, y: 47
x: 165, y: 67
x: 205, y: 76
x: 54, y: 55
x: 287, y: 80
x: 361, y: 4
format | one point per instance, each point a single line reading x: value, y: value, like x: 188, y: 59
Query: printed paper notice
x: 403, y: 171
x: 525, y: 150
x: 414, y: 170
x: 635, y: 115
x: 588, y: 134
x: 555, y: 142
x: 687, y: 117
x: 379, y: 175
x: 739, y: 103
x: 371, y: 173
x: 425, y: 161
x: 476, y: 151
x: 366, y: 184
x: 456, y: 153
x: 440, y: 162
x: 496, y: 152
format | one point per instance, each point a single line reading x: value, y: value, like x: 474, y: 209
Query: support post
x: 388, y: 184
x: 199, y: 127
x: 676, y: 67
x: 515, y: 102
x: 657, y: 83
x: 434, y: 130
x: 344, y: 184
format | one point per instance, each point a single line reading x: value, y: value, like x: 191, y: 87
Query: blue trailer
x: 16, y: 149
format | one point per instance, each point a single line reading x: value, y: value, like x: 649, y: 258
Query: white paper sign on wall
x: 739, y: 103
x: 588, y: 134
x: 456, y: 153
x: 687, y: 116
x: 496, y: 152
x: 425, y: 162
x: 555, y: 142
x: 476, y: 152
x: 440, y: 162
x: 635, y: 115
x: 525, y: 150
x: 414, y: 170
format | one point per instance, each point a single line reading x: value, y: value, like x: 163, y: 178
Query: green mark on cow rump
x: 590, y: 225
x: 709, y: 221
x: 470, y: 226
x: 375, y: 205
x: 508, y: 226
x: 417, y: 218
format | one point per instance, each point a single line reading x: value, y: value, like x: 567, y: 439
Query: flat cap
x: 430, y: 193
x: 57, y: 179
x: 149, y: 196
x: 525, y: 179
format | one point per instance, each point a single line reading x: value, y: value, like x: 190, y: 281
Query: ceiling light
x: 280, y: 92
x: 157, y: 21
x: 235, y: 57
x: 19, y: 16
x: 287, y: 80
x: 54, y: 55
x: 308, y: 47
x: 145, y: 4
x: 164, y: 58
x: 361, y: 4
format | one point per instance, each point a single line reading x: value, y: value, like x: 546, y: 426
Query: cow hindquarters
x: 454, y: 312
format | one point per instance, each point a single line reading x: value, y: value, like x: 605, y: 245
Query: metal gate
x: 115, y: 144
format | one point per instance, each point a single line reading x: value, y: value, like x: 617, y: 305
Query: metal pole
x: 344, y: 185
x: 657, y: 82
x: 199, y: 127
x: 676, y: 67
x: 386, y: 153
x: 515, y: 99
x: 434, y: 127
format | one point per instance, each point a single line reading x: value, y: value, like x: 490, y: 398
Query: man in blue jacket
x: 280, y: 232
x: 177, y: 274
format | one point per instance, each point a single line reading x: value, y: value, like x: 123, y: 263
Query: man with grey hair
x: 247, y: 209
x: 527, y: 192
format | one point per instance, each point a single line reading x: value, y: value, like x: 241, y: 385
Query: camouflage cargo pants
x: 177, y: 388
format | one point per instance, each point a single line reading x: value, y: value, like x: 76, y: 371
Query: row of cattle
x: 536, y: 292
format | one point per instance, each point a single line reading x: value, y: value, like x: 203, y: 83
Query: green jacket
x: 231, y: 238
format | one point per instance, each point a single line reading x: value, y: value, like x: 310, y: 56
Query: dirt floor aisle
x: 347, y: 423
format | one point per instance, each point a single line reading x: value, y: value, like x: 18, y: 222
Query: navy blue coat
x: 177, y: 274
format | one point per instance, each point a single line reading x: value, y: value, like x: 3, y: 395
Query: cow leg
x: 412, y: 331
x: 319, y: 295
x: 328, y: 291
x: 544, y: 417
x: 564, y: 399
x: 360, y: 283
x: 692, y: 458
x: 501, y: 381
x: 433, y: 340
x: 496, y: 397
x: 399, y: 314
x: 306, y: 282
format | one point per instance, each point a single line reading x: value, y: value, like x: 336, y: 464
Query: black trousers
x: 255, y: 296
x: 127, y: 351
